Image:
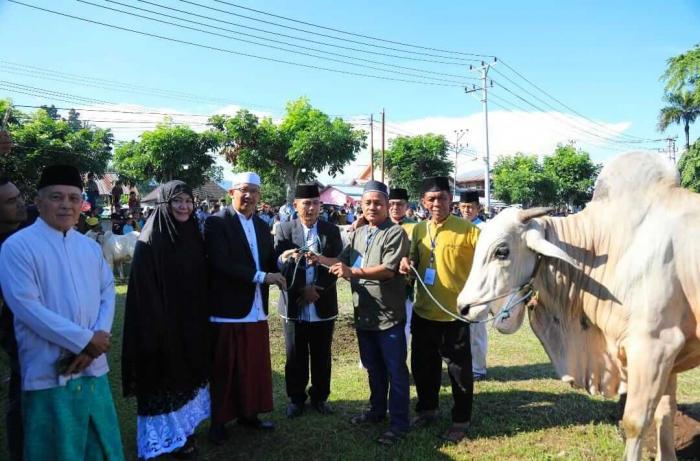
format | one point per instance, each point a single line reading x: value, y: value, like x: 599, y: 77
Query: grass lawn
x: 521, y: 412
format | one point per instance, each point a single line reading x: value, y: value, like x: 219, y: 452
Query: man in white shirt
x: 61, y: 292
x: 310, y: 307
x: 469, y: 208
x: 243, y: 265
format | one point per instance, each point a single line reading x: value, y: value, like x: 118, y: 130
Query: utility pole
x: 383, y: 124
x: 484, y: 69
x: 371, y: 144
x: 458, y: 135
x: 672, y: 149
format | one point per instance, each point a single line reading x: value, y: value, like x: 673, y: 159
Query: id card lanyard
x: 361, y: 260
x: 430, y: 273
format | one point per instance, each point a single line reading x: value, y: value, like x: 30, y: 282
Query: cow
x: 616, y: 288
x: 117, y: 249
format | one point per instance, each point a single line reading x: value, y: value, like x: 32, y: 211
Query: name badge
x: 429, y: 277
x: 358, y: 263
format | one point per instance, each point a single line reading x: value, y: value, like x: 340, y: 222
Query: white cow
x: 618, y: 289
x: 117, y: 249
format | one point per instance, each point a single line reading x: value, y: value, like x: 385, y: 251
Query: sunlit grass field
x: 521, y: 412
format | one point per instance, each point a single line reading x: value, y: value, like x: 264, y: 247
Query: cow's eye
x: 501, y: 253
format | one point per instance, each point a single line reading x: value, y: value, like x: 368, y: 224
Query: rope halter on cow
x: 504, y: 313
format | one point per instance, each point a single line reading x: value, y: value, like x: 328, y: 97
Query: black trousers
x: 13, y: 417
x: 432, y: 342
x: 308, y: 342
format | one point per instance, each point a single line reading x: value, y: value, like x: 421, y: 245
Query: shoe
x: 390, y: 438
x: 217, y: 434
x: 322, y: 407
x: 425, y: 418
x: 294, y: 410
x: 366, y: 418
x: 455, y: 433
x: 255, y: 423
x: 479, y: 376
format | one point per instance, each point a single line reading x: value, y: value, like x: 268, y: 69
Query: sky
x: 586, y: 72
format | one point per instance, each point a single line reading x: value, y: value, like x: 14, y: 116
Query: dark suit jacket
x: 231, y: 263
x: 291, y: 235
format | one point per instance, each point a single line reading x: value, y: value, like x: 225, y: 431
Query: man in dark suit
x: 242, y: 266
x: 311, y: 304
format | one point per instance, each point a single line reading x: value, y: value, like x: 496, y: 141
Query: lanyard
x: 433, y: 242
x: 369, y: 238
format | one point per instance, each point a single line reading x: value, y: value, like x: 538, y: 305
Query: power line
x: 295, y: 37
x: 565, y: 136
x: 224, y: 50
x: 567, y: 121
x: 553, y: 98
x: 334, y: 37
x: 351, y: 33
x: 391, y: 71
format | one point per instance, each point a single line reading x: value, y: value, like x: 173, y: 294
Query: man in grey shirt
x: 371, y: 262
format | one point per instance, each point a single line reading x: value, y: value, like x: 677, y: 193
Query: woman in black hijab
x: 165, y: 349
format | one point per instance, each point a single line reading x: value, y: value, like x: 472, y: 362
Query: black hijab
x: 165, y: 349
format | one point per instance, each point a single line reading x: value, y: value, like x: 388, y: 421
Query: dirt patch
x: 686, y: 432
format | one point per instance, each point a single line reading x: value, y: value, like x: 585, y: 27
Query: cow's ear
x: 525, y: 215
x: 537, y: 243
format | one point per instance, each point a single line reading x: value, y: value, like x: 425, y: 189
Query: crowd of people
x: 196, y: 340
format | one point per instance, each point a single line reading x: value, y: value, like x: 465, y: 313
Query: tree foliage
x: 306, y: 142
x: 166, y: 153
x: 683, y: 72
x: 689, y: 167
x: 683, y: 109
x: 566, y: 178
x: 573, y: 174
x: 521, y: 179
x: 44, y: 138
x: 409, y: 159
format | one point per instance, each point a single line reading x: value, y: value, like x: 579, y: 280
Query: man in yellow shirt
x: 442, y: 250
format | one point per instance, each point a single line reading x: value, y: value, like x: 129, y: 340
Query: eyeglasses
x: 247, y: 190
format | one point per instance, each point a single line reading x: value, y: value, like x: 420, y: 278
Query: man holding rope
x: 310, y: 306
x: 441, y: 254
x: 371, y: 263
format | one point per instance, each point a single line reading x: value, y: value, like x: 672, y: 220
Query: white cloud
x: 509, y: 132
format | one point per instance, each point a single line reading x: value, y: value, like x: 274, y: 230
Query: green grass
x: 521, y: 412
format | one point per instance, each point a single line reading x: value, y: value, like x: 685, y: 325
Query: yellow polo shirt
x: 455, y: 239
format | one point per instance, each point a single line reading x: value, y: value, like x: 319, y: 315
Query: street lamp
x: 458, y: 136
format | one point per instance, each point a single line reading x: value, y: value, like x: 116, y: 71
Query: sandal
x: 424, y: 419
x: 390, y: 438
x: 365, y: 418
x: 455, y: 433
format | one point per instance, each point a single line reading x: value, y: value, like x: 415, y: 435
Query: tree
x: 43, y: 138
x: 166, y: 153
x: 409, y: 159
x: 689, y: 167
x: 683, y: 108
x: 573, y: 174
x: 521, y: 179
x: 305, y: 143
x: 683, y: 72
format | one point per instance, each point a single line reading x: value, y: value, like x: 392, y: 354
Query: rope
x: 503, y: 314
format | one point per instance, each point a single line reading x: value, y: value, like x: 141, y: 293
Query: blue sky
x: 601, y: 58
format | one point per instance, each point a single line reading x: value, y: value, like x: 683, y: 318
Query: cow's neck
x: 576, y: 309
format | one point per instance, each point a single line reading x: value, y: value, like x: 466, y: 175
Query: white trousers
x: 479, y: 346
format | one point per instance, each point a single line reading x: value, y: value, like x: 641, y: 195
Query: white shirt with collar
x: 257, y: 313
x: 61, y: 291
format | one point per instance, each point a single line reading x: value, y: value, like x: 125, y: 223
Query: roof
x: 105, y: 183
x: 207, y: 191
x: 469, y: 176
x: 353, y: 191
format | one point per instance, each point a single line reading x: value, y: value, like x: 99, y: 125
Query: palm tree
x: 684, y: 107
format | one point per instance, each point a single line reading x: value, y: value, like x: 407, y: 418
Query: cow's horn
x: 526, y: 215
